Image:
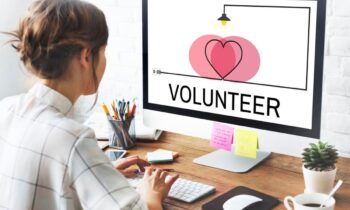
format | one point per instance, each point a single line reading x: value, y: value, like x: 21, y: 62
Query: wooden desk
x: 279, y: 176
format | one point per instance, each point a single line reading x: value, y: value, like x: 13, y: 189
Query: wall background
x: 123, y: 78
x: 14, y: 79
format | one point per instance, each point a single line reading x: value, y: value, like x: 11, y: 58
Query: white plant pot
x: 319, y: 181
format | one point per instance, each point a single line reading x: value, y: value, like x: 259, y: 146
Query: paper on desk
x: 222, y: 136
x: 246, y: 143
x: 143, y: 132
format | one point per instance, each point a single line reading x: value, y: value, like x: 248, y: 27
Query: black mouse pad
x: 268, y: 202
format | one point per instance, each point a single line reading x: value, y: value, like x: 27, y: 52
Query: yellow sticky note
x: 246, y: 143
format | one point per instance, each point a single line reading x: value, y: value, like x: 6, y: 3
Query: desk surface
x: 279, y: 176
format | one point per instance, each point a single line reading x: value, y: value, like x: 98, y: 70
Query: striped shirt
x: 49, y: 161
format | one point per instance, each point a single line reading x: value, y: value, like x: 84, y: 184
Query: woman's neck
x: 67, y: 88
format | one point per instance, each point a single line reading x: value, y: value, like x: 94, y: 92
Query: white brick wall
x: 341, y: 8
x: 346, y: 66
x: 336, y: 106
x: 125, y: 54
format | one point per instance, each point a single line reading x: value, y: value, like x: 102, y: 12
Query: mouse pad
x: 268, y: 202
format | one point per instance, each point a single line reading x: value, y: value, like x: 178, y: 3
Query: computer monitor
x: 254, y: 64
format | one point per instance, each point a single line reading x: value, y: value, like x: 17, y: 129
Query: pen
x: 133, y: 110
x: 118, y: 104
x: 127, y: 107
x: 122, y: 107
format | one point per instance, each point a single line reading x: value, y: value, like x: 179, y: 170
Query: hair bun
x: 54, y: 31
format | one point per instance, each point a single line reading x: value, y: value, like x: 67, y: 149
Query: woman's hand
x: 123, y: 165
x: 155, y: 187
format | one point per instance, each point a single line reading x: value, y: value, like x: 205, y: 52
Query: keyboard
x: 183, y: 190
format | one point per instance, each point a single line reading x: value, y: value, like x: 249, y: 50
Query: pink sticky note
x: 222, y: 137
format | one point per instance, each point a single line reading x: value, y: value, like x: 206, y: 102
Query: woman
x: 48, y: 161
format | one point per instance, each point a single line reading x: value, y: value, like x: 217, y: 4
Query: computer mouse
x: 239, y: 202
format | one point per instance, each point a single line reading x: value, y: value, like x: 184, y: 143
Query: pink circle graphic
x: 232, y: 58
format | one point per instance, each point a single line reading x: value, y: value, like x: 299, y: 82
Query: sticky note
x: 159, y: 156
x: 175, y: 154
x: 246, y: 143
x: 222, y: 136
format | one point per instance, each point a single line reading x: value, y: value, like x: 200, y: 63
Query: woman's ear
x: 85, y: 58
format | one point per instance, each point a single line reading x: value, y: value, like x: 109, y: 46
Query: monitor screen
x: 254, y: 63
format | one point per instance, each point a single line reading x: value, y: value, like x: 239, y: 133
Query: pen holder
x: 122, y: 134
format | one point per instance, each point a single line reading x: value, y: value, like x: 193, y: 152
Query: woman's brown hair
x: 54, y: 31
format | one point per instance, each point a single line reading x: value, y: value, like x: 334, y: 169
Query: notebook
x: 268, y: 202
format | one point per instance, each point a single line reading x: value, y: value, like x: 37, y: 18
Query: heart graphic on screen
x: 231, y: 58
x: 224, y: 57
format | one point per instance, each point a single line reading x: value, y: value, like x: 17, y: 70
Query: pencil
x: 115, y: 111
x: 105, y: 109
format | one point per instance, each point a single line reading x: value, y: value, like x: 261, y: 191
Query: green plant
x: 320, y: 157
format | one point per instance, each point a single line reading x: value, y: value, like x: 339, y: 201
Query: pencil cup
x: 122, y: 134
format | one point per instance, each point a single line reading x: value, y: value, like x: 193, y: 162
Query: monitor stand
x: 230, y: 162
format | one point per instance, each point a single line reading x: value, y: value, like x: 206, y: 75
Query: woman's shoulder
x: 9, y: 104
x: 9, y: 101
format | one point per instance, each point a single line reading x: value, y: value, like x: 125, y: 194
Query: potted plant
x: 319, y: 167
